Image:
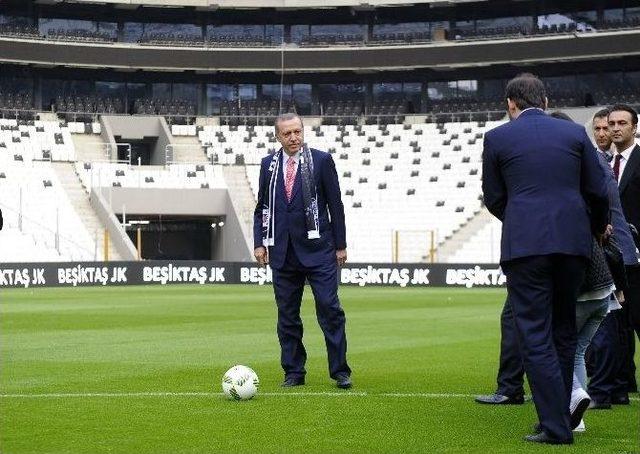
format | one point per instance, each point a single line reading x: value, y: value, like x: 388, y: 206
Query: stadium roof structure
x: 443, y: 55
x: 257, y: 4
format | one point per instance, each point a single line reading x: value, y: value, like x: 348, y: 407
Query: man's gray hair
x: 286, y: 117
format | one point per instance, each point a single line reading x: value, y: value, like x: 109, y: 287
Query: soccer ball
x: 240, y: 383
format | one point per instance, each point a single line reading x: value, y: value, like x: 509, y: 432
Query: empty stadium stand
x: 42, y: 220
x: 434, y: 169
x: 177, y: 176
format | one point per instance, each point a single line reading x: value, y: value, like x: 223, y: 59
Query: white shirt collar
x: 531, y: 108
x: 625, y: 154
x: 296, y: 157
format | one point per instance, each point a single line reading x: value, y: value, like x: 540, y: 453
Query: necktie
x: 290, y: 177
x: 616, y: 166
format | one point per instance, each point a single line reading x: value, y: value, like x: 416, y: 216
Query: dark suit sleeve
x: 493, y: 187
x: 257, y: 214
x: 594, y: 186
x: 334, y: 202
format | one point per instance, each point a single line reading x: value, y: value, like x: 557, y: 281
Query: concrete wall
x: 185, y: 202
x: 117, y: 235
x: 136, y: 128
x: 441, y: 55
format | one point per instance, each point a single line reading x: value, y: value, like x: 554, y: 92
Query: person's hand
x: 620, y: 297
x: 261, y: 255
x: 604, y: 237
x: 341, y: 256
x: 608, y: 232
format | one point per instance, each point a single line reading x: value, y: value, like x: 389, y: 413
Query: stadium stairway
x: 460, y: 237
x: 242, y: 198
x: 48, y: 116
x: 90, y: 147
x: 188, y: 149
x: 80, y: 201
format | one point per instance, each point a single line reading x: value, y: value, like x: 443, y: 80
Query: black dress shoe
x: 595, y: 405
x: 343, y: 382
x: 292, y: 381
x: 620, y: 400
x: 499, y: 399
x: 542, y: 437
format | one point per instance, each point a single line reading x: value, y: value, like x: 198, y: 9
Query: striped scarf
x: 309, y: 195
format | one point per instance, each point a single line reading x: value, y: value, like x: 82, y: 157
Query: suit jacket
x: 629, y: 188
x: 621, y: 230
x: 539, y: 175
x: 290, y: 224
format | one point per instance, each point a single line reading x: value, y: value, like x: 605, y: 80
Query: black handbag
x: 614, y: 258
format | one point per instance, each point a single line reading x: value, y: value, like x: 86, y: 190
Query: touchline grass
x: 138, y: 370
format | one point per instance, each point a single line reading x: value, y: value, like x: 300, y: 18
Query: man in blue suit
x: 299, y: 230
x: 539, y: 176
x: 609, y: 349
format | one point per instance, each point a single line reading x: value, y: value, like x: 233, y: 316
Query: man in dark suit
x: 539, y: 175
x: 609, y: 347
x: 623, y: 123
x: 299, y: 230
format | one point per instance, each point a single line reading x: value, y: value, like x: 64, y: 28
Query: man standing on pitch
x: 609, y: 358
x: 539, y: 175
x: 623, y: 124
x: 299, y: 230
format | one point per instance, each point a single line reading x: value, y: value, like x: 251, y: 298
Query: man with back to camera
x: 510, y: 376
x: 299, y: 230
x: 539, y: 173
x: 606, y: 349
x: 623, y: 124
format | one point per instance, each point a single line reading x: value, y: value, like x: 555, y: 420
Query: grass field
x: 138, y: 369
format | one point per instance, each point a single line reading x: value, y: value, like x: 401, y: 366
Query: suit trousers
x: 511, y: 371
x: 607, y: 353
x: 288, y: 285
x: 630, y: 325
x: 542, y: 293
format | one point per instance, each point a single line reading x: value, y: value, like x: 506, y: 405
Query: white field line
x: 266, y: 394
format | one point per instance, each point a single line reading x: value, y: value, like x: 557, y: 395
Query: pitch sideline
x: 266, y: 394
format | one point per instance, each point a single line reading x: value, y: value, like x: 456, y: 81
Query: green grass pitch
x: 138, y: 370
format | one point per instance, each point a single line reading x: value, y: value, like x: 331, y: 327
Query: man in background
x: 623, y: 125
x: 539, y: 174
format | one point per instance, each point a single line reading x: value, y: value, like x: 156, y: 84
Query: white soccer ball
x: 240, y: 383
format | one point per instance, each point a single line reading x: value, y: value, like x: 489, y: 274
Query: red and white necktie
x: 290, y: 177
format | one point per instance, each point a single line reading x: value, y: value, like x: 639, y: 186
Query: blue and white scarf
x: 309, y: 195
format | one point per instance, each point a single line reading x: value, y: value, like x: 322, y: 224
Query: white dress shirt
x: 624, y: 157
x: 285, y: 160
